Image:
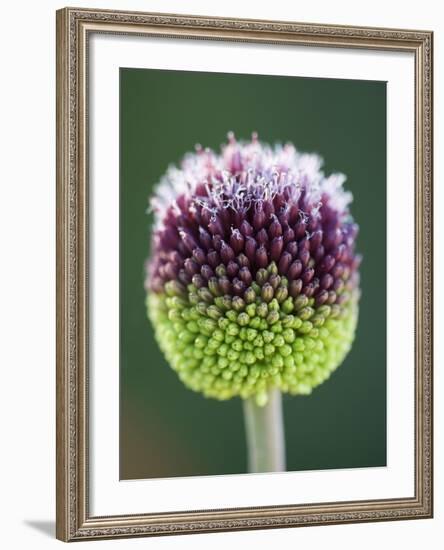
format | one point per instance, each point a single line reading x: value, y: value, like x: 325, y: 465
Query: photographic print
x: 252, y: 337
x: 244, y: 274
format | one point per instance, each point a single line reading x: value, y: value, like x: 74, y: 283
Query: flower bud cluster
x: 253, y: 280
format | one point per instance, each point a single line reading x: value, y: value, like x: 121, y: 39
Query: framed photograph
x: 244, y: 274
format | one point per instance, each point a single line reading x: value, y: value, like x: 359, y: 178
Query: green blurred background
x: 167, y: 430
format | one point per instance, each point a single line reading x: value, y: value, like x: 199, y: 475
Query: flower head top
x: 252, y: 280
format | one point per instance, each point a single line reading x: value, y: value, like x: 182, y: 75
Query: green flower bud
x: 272, y: 317
x: 243, y: 319
x: 214, y: 312
x: 262, y: 310
x: 249, y: 295
x: 267, y: 292
x: 261, y: 276
x: 281, y: 294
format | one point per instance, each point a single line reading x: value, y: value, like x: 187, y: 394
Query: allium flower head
x: 252, y: 282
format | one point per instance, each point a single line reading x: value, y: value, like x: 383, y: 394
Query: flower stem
x: 264, y: 426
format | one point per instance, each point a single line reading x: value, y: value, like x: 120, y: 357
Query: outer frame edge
x: 67, y: 474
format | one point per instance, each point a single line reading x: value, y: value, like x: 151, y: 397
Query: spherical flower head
x: 252, y: 282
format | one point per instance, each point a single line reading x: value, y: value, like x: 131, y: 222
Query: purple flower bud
x: 226, y: 253
x: 170, y: 270
x: 308, y: 290
x: 340, y: 253
x: 259, y: 217
x: 191, y: 267
x: 250, y: 248
x: 262, y: 236
x: 307, y: 275
x: 319, y: 253
x: 215, y: 226
x: 338, y: 286
x: 275, y: 229
x: 261, y: 257
x: 332, y: 238
x: 274, y: 280
x: 299, y: 229
x: 225, y: 285
x: 204, y: 238
x: 198, y: 281
x: 304, y: 244
x: 289, y: 235
x: 169, y: 237
x: 316, y: 240
x: 268, y: 207
x: 279, y: 201
x: 295, y: 269
x: 238, y: 217
x: 276, y: 247
x: 246, y: 229
x: 326, y: 281
x: 206, y: 271
x: 245, y: 276
x: 232, y: 268
x: 184, y: 277
x: 188, y: 240
x: 284, y: 262
x: 327, y: 263
x: 293, y: 214
x: 237, y: 241
x: 238, y: 286
x: 199, y: 255
x: 217, y: 242
x: 292, y: 248
x: 304, y: 256
x: 213, y: 258
x: 337, y: 270
x: 242, y: 260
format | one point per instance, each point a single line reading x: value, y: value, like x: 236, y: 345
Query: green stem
x: 264, y: 427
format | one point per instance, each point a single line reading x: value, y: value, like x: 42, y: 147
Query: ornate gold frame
x: 73, y: 519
